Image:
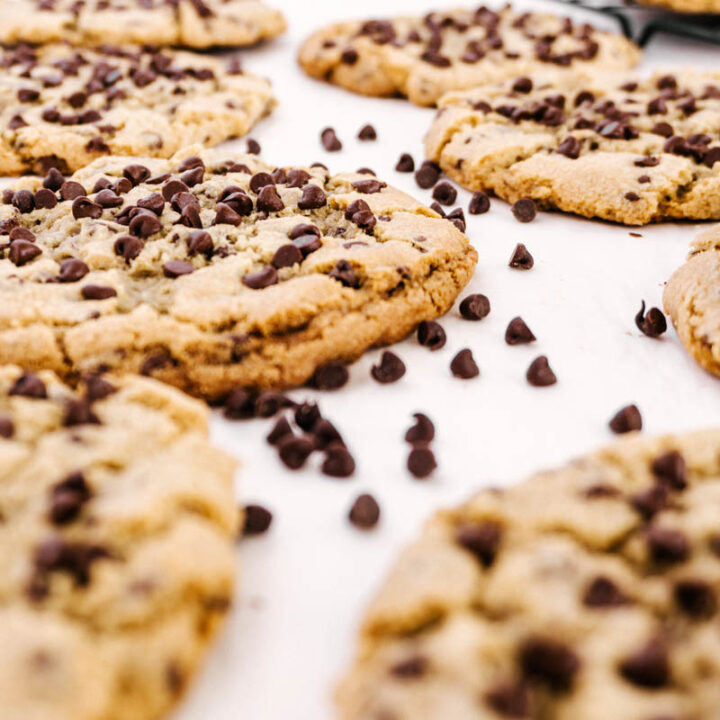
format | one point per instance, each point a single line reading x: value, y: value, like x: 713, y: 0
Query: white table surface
x: 304, y: 585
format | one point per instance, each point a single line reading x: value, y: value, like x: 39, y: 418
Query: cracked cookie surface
x: 64, y: 107
x: 622, y: 149
x: 209, y: 273
x: 587, y: 592
x: 692, y: 299
x: 116, y: 546
x: 422, y: 58
x: 191, y: 23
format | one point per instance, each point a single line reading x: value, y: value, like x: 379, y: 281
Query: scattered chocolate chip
x: 518, y: 333
x: 651, y: 501
x: 307, y: 415
x: 653, y: 324
x: 270, y: 403
x: 479, y: 203
x: 137, y: 174
x: 257, y: 520
x: 422, y: 432
x: 280, y: 430
x: 524, y: 210
x: 421, y: 462
x: 128, y: 247
x: 330, y: 140
x: 253, y: 146
x: 481, y: 539
x: 349, y: 56
x: 569, y: 147
x: 71, y: 190
x: 365, y: 512
x: 444, y: 193
x: 176, y: 268
x: 390, y: 369
x: 626, y: 420
x: 427, y: 174
x: 603, y: 593
x: 550, y: 662
x: 331, y: 376
x: 405, y: 164
x: 413, y: 667
x: 667, y: 546
x: 431, y: 335
x: 312, y: 198
x: 22, y: 252
x: 261, y: 279
x: 647, y: 668
x: 521, y: 258
x: 696, y: 598
x: 463, y: 365
x: 30, y: 386
x: 79, y: 412
x: 367, y: 132
x: 24, y: 201
x: 97, y: 388
x: 509, y: 700
x: 7, y: 428
x: 239, y: 405
x: 72, y: 270
x: 671, y: 470
x: 269, y: 200
x: 344, y: 274
x: 540, y: 374
x: 199, y: 242
x: 475, y: 307
x: 338, y: 461
x: 144, y: 224
x: 45, y: 199
x: 67, y: 498
x: 294, y: 451
x: 368, y: 187
x: 53, y: 180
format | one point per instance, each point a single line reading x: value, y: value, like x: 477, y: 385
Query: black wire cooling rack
x: 641, y: 22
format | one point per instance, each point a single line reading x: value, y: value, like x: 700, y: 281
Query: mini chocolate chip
x: 53, y: 180
x: 405, y: 164
x: 79, y: 412
x: 540, y: 374
x: 696, y: 598
x: 71, y: 190
x: 7, y: 428
x: 22, y: 252
x: 523, y: 85
x: 257, y: 520
x: 98, y: 292
x: 67, y: 498
x: 518, y: 333
x: 45, y: 199
x: 481, y: 539
x: 137, y: 174
x: 128, y: 247
x: 261, y: 279
x: 269, y: 403
x: 479, y: 203
x: 524, y: 210
x: 431, y: 335
x: 549, y: 661
x: 259, y: 180
x: 72, y: 270
x: 421, y: 462
x: 297, y: 178
x: 294, y: 451
x: 21, y: 233
x: 413, y: 667
x: 239, y: 405
x: 176, y: 268
x: 331, y: 376
x: 651, y: 501
x: 338, y: 461
x: 269, y: 200
x: 569, y: 147
x: 422, y: 432
x: 280, y: 430
x: 97, y: 388
x: 632, y: 196
x: 199, y: 242
x: 29, y: 385
x: 603, y: 593
x: 427, y: 174
x: 653, y: 324
x: 521, y: 258
x: 24, y: 201
x: 647, y: 668
x: 626, y: 420
x: 108, y: 199
x: 330, y: 140
x: 193, y: 177
x: 667, y: 546
x: 253, y: 147
x: 365, y: 512
x: 287, y: 256
x: 475, y: 307
x: 368, y: 187
x: 509, y: 700
x: 307, y: 244
x: 172, y: 188
x: 225, y: 215
x: 359, y: 212
x: 154, y: 202
x: 325, y: 433
x: 367, y: 132
x: 144, y: 224
x: 306, y: 415
x: 349, y: 56
x: 444, y: 193
x: 671, y: 469
x: 312, y: 198
x: 344, y: 274
x: 83, y: 207
x: 463, y: 365
x: 390, y: 369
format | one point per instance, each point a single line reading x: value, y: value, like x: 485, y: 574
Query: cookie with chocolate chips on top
x: 190, y: 23
x: 116, y: 546
x: 422, y: 58
x: 211, y: 272
x: 587, y: 592
x: 624, y: 149
x: 63, y: 107
x: 692, y: 300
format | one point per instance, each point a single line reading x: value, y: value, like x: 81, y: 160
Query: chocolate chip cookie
x: 116, y: 561
x: 692, y: 299
x: 191, y: 23
x: 629, y: 150
x: 210, y: 272
x: 422, y: 58
x: 63, y: 107
x: 583, y: 593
